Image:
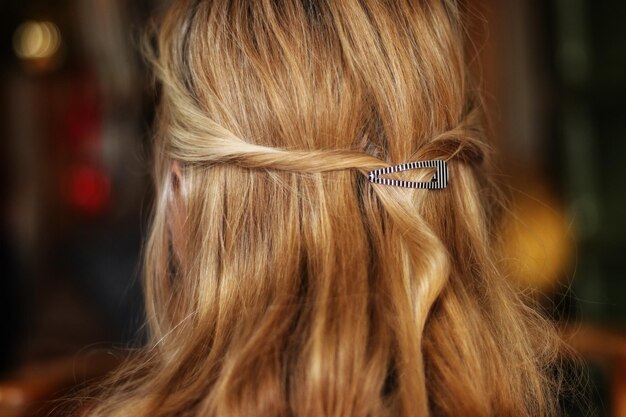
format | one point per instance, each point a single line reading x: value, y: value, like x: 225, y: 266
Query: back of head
x: 301, y: 289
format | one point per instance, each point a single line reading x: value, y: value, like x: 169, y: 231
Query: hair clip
x: 439, y: 180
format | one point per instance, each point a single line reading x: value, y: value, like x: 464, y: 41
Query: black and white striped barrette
x: 439, y: 180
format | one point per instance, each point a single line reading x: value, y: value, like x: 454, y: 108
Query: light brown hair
x: 304, y: 290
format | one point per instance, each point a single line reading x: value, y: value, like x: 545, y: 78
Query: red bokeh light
x: 89, y: 189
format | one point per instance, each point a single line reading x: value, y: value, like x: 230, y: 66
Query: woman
x: 284, y: 280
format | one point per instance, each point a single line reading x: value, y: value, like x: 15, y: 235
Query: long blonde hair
x: 305, y: 290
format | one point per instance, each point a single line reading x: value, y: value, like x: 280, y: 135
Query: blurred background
x: 76, y: 109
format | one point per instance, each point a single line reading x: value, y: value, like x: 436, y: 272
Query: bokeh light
x: 36, y: 40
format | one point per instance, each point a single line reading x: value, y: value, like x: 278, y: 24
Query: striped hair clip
x: 439, y: 180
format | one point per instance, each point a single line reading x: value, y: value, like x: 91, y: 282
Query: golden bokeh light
x: 538, y: 242
x: 36, y: 40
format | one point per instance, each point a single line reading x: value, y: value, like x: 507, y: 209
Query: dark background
x: 76, y: 108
